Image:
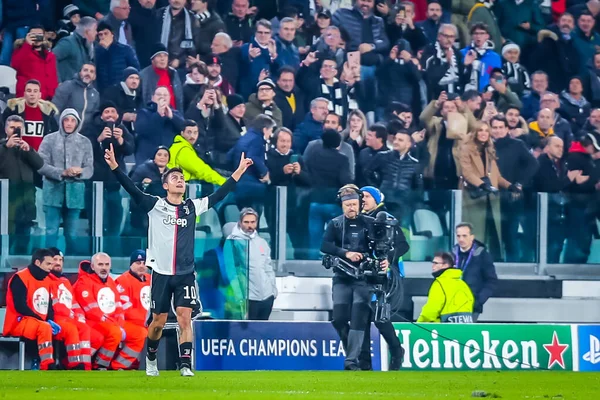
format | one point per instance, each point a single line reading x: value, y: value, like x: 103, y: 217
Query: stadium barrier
x: 281, y: 345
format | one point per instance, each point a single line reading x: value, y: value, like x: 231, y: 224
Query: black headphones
x: 353, y: 188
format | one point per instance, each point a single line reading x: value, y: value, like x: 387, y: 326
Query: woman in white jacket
x: 261, y: 276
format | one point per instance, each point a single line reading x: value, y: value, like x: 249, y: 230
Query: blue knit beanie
x: 374, y: 192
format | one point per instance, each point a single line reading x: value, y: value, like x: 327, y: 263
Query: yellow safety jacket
x: 183, y: 155
x: 450, y: 299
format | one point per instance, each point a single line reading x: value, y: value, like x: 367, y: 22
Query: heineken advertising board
x: 482, y: 347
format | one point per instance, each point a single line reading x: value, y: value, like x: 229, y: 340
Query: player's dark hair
x: 168, y: 172
x: 447, y: 258
x: 55, y: 251
x: 40, y: 254
x: 189, y: 123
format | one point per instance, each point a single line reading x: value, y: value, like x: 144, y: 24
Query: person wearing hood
x: 134, y: 290
x: 287, y: 51
x: 477, y: 266
x: 581, y: 220
x: 111, y: 57
x: 104, y: 130
x: 257, y: 56
x: 196, y: 81
x: 262, y: 290
x: 262, y: 102
x: 30, y: 312
x: 126, y: 96
x: 79, y: 93
x: 157, y: 124
x: 573, y: 105
x: 148, y: 178
x: 184, y: 156
x: 97, y: 293
x: 480, y: 55
x: 450, y: 299
x: 68, y: 162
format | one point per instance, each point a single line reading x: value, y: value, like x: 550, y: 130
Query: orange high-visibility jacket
x: 37, y: 299
x: 98, y: 299
x: 134, y: 292
x: 63, y: 299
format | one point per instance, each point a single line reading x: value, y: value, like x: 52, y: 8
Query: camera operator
x: 346, y: 238
x: 371, y: 206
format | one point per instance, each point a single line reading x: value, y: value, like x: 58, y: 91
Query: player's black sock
x: 152, y: 348
x: 185, y: 354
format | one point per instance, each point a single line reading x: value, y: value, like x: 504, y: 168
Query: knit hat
x: 266, y: 82
x: 374, y: 192
x: 234, y: 100
x: 137, y: 255
x: 161, y: 148
x: 158, y: 48
x: 127, y: 72
x: 70, y: 10
x: 102, y: 25
x: 510, y: 46
x: 331, y: 139
x: 107, y: 104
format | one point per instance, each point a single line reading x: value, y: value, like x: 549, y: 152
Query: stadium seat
x: 8, y: 78
x: 209, y: 223
x: 428, y: 236
x: 232, y: 213
x: 200, y: 245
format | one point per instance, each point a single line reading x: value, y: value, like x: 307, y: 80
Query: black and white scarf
x: 188, y: 40
x: 449, y: 79
x: 203, y: 16
x: 268, y: 110
x: 336, y: 99
x: 515, y: 73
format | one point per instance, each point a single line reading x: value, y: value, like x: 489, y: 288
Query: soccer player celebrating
x: 171, y: 236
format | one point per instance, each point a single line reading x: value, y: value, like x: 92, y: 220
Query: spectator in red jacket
x: 33, y: 60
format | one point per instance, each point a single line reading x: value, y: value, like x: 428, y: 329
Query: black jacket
x: 239, y: 30
x: 327, y: 177
x: 515, y: 162
x: 139, y: 218
x: 102, y: 172
x: 430, y: 30
x: 397, y: 81
x: 124, y: 102
x: 363, y: 163
x: 205, y: 31
x: 576, y: 114
x: 551, y: 177
x: 275, y: 163
x: 479, y: 273
x: 557, y: 57
x: 396, y: 177
x: 434, y: 70
x: 291, y: 119
x: 144, y: 32
x: 579, y: 160
x: 416, y: 37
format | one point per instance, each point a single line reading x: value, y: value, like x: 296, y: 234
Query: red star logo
x: 556, y: 351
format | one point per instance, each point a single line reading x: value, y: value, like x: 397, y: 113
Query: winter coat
x: 345, y: 148
x: 479, y: 273
x: 363, y: 164
x: 252, y: 144
x: 152, y: 131
x: 430, y: 30
x: 517, y: 77
x: 76, y: 94
x: 254, y: 108
x: 61, y: 151
x: 511, y: 15
x: 111, y: 62
x: 450, y: 299
x: 150, y: 83
x: 102, y: 173
x: 397, y: 81
x: 489, y: 61
x: 460, y: 12
x: 192, y: 92
x: 205, y: 31
x: 398, y: 178
x: 433, y: 70
x: 287, y: 53
x: 307, y: 131
x: 250, y: 68
x: 553, y: 46
x: 71, y: 53
x: 183, y: 155
x: 91, y: 7
x: 415, y: 37
x: 515, y: 162
x: 551, y: 177
x: 505, y: 100
x: 578, y: 159
x: 19, y: 167
x: 16, y: 106
x: 585, y: 46
x: 20, y: 13
x: 275, y: 163
x: 124, y: 102
x: 239, y: 29
x: 30, y: 64
x: 256, y: 250
x: 290, y: 119
x: 144, y: 32
x: 139, y: 217
x: 531, y: 105
x: 352, y: 20
x: 481, y: 14
x: 574, y: 111
x: 475, y: 210
x: 226, y: 131
x: 327, y: 177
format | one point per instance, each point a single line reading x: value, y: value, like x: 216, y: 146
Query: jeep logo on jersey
x: 145, y: 297
x: 40, y: 300
x: 170, y: 220
x: 106, y: 300
x: 64, y: 296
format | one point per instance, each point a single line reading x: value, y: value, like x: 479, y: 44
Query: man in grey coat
x: 160, y: 71
x: 79, y: 93
x: 261, y: 276
x: 74, y: 50
x: 68, y: 162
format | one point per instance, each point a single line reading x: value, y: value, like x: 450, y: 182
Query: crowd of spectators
x: 499, y: 98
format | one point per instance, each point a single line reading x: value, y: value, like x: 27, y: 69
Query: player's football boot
x: 151, y: 367
x: 186, y: 371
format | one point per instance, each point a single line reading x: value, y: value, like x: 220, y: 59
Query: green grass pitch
x: 81, y: 385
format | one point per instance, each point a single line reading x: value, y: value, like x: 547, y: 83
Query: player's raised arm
x: 144, y: 200
x: 229, y: 185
